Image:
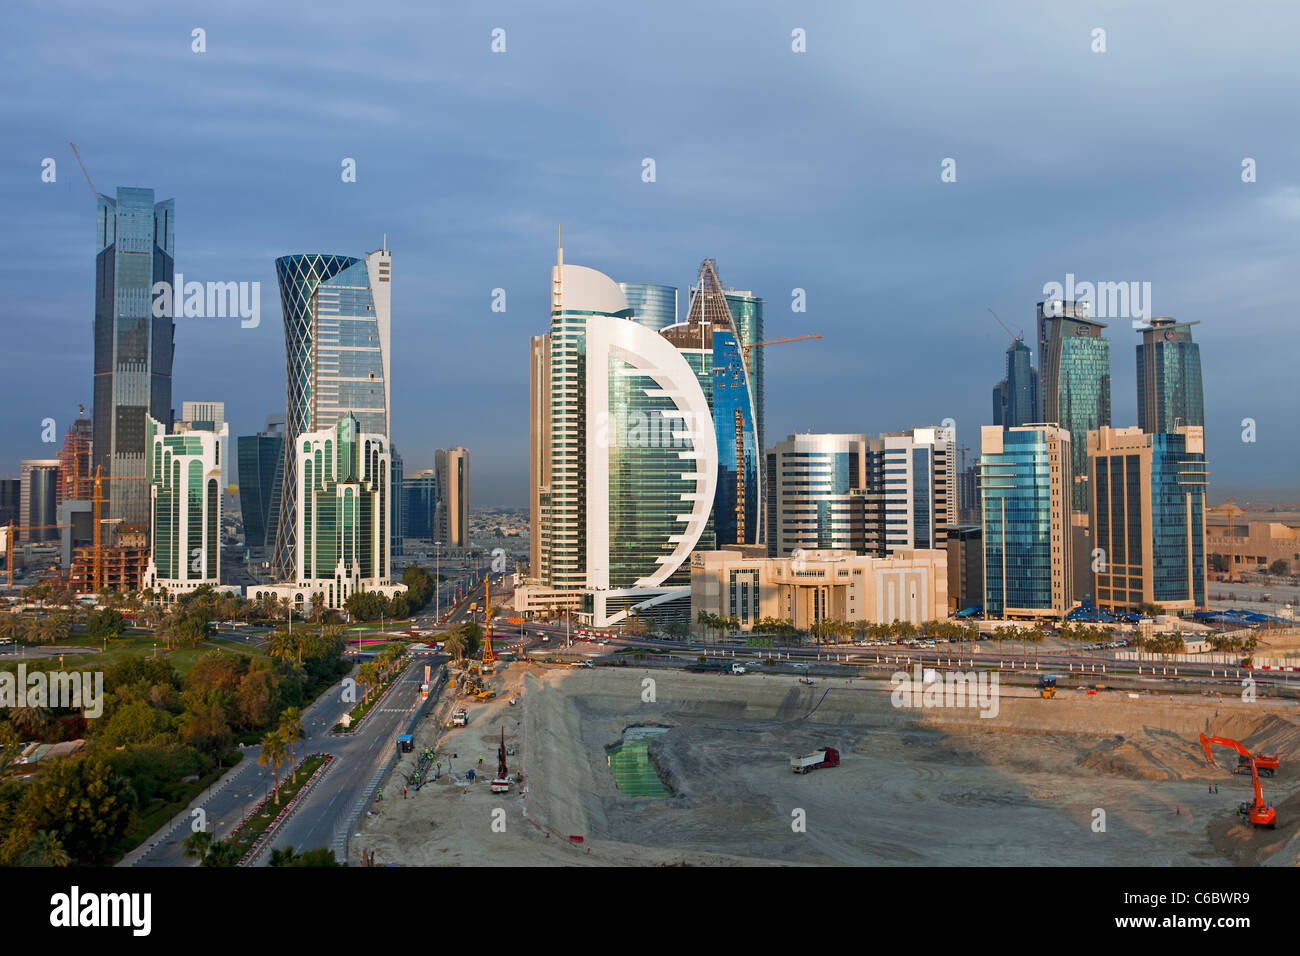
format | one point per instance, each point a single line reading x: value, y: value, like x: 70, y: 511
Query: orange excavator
x: 1258, y: 813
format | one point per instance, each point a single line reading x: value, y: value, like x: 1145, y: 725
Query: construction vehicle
x: 459, y: 718
x: 1047, y: 686
x: 501, y: 784
x: 826, y: 757
x: 1266, y: 764
x: 1258, y: 813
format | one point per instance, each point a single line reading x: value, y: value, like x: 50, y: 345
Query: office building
x: 207, y: 415
x: 965, y: 567
x: 39, y: 501
x: 344, y: 534
x: 819, y: 491
x: 1015, y: 398
x: 11, y: 492
x: 186, y: 469
x: 420, y: 508
x: 395, y: 500
x: 1028, y: 550
x: 1074, y: 381
x: 134, y: 345
x: 261, y: 475
x: 911, y: 479
x: 1148, y: 517
x: 652, y: 305
x: 820, y: 585
x: 452, y: 468
x: 336, y: 335
x: 1169, y: 391
x: 624, y: 455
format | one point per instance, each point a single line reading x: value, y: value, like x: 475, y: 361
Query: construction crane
x: 745, y: 350
x: 1015, y: 336
x: 83, y: 171
x: 1258, y: 813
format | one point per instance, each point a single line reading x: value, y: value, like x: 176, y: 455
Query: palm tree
x: 282, y: 856
x: 29, y: 721
x: 291, y: 730
x: 273, y: 753
x: 196, y: 845
x: 368, y: 676
x: 45, y: 849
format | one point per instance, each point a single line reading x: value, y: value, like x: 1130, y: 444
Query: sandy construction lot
x: 915, y: 786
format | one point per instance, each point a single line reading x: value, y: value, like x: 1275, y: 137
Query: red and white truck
x: 826, y: 757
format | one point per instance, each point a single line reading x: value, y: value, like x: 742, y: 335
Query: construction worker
x: 480, y: 759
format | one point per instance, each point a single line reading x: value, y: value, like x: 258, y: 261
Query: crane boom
x: 83, y: 170
x: 1014, y: 336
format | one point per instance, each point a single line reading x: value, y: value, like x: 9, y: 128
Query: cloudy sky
x: 818, y: 170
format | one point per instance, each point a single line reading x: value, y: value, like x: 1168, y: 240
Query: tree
x: 45, y: 849
x: 84, y: 803
x: 204, y: 728
x: 257, y: 698
x: 105, y: 625
x: 454, y: 645
x: 273, y: 753
x: 224, y: 853
x: 196, y: 846
x: 1280, y: 567
x: 12, y: 627
x: 368, y: 677
x: 291, y: 730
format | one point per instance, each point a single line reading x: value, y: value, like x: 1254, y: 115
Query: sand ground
x: 915, y: 786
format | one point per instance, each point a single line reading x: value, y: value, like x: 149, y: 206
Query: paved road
x: 232, y: 797
x: 324, y: 811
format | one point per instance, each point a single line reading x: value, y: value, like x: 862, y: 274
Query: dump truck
x: 826, y: 757
x: 459, y: 718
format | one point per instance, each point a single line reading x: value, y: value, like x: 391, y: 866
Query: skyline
x: 1127, y: 198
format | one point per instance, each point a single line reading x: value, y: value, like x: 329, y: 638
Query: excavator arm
x: 1260, y: 815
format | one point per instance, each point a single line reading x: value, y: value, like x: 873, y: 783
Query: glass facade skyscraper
x: 1169, y: 391
x: 261, y: 471
x: 186, y: 473
x: 623, y: 447
x: 1025, y: 498
x: 1148, y: 515
x: 134, y: 249
x: 1015, y: 398
x: 420, y: 505
x: 1074, y: 380
x: 652, y: 305
x: 819, y: 489
x: 336, y: 338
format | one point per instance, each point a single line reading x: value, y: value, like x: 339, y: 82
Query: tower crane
x: 1258, y: 813
x: 1016, y: 337
x: 745, y: 350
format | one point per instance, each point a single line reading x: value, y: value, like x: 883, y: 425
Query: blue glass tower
x: 1074, y: 382
x: 1169, y: 391
x: 134, y: 249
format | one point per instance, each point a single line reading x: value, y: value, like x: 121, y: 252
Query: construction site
x: 610, y: 766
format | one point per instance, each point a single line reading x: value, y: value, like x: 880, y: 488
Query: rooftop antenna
x: 83, y: 170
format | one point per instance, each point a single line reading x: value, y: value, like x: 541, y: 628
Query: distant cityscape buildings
x: 451, y: 466
x: 39, y: 500
x: 135, y: 248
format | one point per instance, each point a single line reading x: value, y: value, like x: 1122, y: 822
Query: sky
x: 819, y: 170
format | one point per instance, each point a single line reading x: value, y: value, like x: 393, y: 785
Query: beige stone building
x: 810, y: 586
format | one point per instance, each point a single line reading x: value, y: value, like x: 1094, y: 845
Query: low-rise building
x: 819, y: 585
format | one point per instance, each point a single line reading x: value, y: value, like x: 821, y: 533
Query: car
x: 584, y: 664
x: 801, y: 666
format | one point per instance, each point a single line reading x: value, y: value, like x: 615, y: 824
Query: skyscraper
x: 420, y: 507
x: 625, y: 455
x: 344, y: 535
x: 186, y: 469
x: 1028, y: 553
x: 1074, y: 380
x: 1148, y: 512
x: 718, y: 339
x: 336, y: 338
x: 911, y: 482
x: 452, y: 467
x: 819, y: 492
x: 1015, y: 398
x: 1169, y: 377
x: 652, y: 305
x: 261, y: 475
x: 134, y: 242
x: 396, y: 500
x: 39, y: 503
